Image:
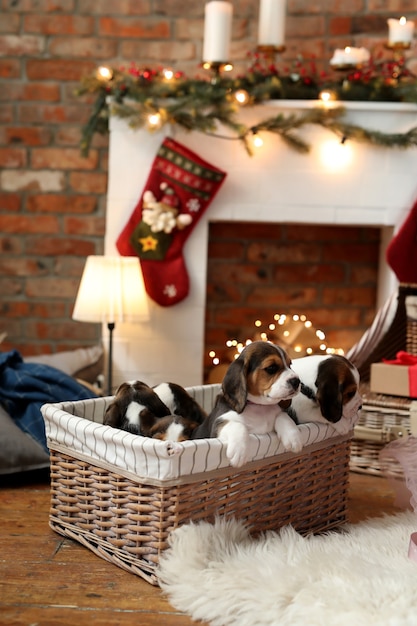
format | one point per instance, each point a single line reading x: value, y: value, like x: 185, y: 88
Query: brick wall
x: 53, y: 201
x: 327, y: 273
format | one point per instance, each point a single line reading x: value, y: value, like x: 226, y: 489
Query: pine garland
x: 204, y: 105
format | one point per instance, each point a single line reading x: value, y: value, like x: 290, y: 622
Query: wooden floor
x: 46, y: 580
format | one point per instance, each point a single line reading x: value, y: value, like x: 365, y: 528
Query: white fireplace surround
x: 376, y: 187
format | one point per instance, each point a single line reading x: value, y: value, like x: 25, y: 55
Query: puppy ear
x: 284, y: 404
x: 330, y: 398
x: 234, y: 385
x: 113, y: 416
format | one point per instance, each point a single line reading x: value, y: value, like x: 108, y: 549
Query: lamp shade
x: 111, y: 290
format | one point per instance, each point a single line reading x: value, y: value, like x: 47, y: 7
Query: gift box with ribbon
x: 397, y: 377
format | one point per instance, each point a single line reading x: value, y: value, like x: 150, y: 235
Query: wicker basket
x: 121, y: 495
x: 383, y: 419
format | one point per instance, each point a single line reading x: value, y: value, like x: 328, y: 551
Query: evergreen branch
x: 204, y: 106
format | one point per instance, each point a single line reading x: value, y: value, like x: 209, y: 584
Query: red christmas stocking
x: 179, y: 189
x: 402, y: 250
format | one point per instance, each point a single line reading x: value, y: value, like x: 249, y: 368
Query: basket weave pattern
x: 387, y: 416
x: 128, y: 522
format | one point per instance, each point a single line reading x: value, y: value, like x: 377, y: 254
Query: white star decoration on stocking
x: 193, y: 205
x: 170, y: 291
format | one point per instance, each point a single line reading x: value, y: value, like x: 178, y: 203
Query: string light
x: 167, y: 73
x: 104, y: 73
x: 325, y: 96
x: 241, y: 96
x: 257, y: 141
x: 335, y: 155
x: 154, y: 121
x: 294, y: 333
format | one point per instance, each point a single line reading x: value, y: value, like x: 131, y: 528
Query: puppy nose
x: 294, y: 382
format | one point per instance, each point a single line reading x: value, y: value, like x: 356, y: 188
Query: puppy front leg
x: 288, y: 432
x: 236, y: 437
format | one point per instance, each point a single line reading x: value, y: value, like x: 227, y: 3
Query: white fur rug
x: 361, y: 577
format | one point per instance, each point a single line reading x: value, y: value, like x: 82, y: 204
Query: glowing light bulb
x: 212, y: 354
x: 216, y: 361
x: 257, y: 141
x: 258, y: 323
x: 241, y: 96
x: 154, y: 120
x: 334, y: 155
x: 104, y: 73
x: 325, y: 96
x: 167, y: 73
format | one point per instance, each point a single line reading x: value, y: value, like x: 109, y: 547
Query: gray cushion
x: 18, y: 451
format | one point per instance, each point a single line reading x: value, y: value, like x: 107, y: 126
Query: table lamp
x: 111, y: 290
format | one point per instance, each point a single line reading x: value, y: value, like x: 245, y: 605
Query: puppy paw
x: 292, y: 442
x: 237, y: 454
x: 288, y: 433
x: 236, y: 437
x: 173, y: 448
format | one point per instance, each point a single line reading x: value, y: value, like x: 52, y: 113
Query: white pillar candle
x: 217, y: 31
x: 400, y: 31
x: 271, y: 27
x: 350, y: 56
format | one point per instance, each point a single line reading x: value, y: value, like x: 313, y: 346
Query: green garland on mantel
x: 208, y: 103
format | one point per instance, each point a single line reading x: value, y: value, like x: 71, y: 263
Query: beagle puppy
x: 135, y: 408
x: 174, y: 428
x: 179, y: 402
x: 256, y: 387
x: 142, y: 410
x: 329, y: 391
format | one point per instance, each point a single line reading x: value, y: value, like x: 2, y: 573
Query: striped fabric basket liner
x: 121, y: 495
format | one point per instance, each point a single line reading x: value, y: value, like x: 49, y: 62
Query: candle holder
x: 269, y: 52
x: 216, y: 68
x: 345, y: 67
x: 398, y: 48
x: 344, y: 70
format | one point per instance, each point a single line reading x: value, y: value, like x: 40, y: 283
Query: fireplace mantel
x: 374, y: 186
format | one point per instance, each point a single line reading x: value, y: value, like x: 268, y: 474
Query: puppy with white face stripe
x: 256, y: 388
x: 329, y: 392
x: 135, y: 408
